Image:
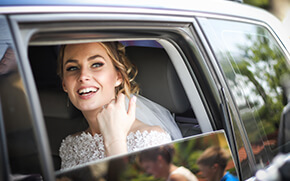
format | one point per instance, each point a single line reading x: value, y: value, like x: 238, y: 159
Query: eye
x: 71, y: 68
x: 96, y: 65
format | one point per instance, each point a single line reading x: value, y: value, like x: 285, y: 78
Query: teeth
x: 87, y: 90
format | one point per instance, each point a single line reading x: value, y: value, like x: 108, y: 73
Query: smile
x: 87, y: 90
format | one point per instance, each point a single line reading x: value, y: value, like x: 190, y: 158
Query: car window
x: 21, y: 144
x: 63, y: 119
x: 188, y: 155
x: 151, y: 55
x: 255, y: 69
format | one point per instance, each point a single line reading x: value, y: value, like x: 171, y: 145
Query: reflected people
x: 158, y: 162
x: 212, y: 164
x: 99, y: 81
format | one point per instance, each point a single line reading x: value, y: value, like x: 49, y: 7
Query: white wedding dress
x: 82, y: 148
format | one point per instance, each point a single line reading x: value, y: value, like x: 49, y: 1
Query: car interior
x: 156, y: 77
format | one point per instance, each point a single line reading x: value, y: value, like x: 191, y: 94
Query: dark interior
x: 157, y: 79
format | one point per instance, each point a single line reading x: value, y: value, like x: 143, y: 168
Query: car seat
x: 61, y: 117
x: 160, y: 83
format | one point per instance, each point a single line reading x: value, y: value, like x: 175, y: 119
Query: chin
x: 87, y: 107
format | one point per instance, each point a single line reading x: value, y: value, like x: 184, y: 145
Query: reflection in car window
x: 254, y: 66
x: 158, y: 163
x: 22, y: 150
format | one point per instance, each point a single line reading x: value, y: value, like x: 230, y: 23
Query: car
x: 219, y: 67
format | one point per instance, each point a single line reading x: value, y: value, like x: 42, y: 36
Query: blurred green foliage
x: 265, y: 4
x: 186, y: 154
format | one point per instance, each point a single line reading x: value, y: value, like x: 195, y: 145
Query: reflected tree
x: 261, y: 66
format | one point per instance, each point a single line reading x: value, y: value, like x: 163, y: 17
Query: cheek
x: 67, y: 83
x: 204, y: 172
x: 108, y: 78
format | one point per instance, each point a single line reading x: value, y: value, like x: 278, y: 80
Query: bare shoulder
x: 79, y: 133
x: 76, y: 134
x: 177, y: 177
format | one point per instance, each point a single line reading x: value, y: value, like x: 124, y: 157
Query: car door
x: 22, y: 144
x: 255, y: 65
x: 178, y: 39
x: 212, y: 99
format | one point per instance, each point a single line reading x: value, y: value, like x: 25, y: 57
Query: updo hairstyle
x: 116, y: 52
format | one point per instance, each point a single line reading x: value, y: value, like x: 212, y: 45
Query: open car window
x: 165, y: 76
x: 156, y: 76
x: 185, y: 153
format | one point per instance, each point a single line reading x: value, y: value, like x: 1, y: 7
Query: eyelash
x: 71, y: 68
x: 95, y: 65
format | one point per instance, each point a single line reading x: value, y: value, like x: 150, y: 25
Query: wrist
x: 110, y: 142
x: 115, y: 146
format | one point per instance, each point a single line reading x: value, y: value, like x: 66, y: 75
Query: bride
x: 99, y: 81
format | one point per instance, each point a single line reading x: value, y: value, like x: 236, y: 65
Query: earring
x: 67, y: 102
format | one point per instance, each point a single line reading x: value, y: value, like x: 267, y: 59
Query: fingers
x: 121, y: 99
x: 132, y: 107
x: 120, y: 102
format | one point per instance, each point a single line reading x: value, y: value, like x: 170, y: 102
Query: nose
x: 84, y: 75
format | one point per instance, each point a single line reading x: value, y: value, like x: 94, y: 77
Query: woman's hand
x: 115, y: 123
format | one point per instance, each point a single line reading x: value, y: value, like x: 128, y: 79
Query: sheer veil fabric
x: 154, y: 114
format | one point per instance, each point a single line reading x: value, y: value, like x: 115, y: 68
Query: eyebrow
x: 95, y: 56
x: 90, y: 58
x: 70, y: 61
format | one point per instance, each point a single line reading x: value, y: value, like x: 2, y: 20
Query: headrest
x: 157, y: 78
x: 55, y: 103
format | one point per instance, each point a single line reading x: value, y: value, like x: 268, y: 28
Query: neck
x: 170, y: 170
x: 91, y: 117
x: 219, y: 175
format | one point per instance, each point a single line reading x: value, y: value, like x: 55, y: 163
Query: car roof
x: 183, y: 7
x: 187, y: 8
x: 212, y: 6
x: 104, y: 2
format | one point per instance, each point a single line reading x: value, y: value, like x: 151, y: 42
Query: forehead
x: 147, y: 162
x: 84, y: 49
x: 203, y: 167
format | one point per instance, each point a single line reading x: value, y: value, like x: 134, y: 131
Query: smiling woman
x: 98, y: 78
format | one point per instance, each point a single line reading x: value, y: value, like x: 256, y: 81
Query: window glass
x: 22, y: 150
x: 202, y: 157
x: 254, y: 66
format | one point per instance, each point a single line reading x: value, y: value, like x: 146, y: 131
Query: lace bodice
x: 79, y: 149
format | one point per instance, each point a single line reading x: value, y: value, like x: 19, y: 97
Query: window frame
x: 181, y: 26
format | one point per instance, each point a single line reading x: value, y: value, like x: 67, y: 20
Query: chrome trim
x: 158, y: 23
x: 234, y: 11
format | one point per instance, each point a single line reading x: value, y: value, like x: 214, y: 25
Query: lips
x: 87, y: 91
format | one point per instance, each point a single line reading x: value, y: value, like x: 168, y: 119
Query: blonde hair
x: 127, y: 70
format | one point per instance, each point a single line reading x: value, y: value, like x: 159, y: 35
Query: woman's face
x: 152, y: 168
x: 89, y: 76
x: 207, y: 172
